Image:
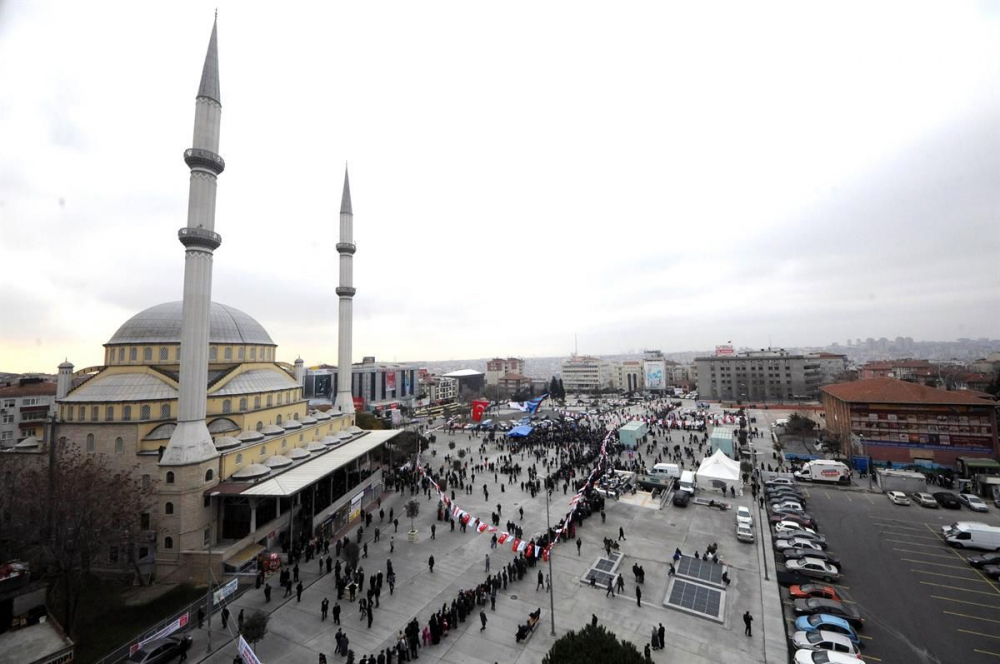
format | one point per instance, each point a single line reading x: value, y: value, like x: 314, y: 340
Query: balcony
x: 346, y: 247
x: 199, y: 237
x: 198, y: 158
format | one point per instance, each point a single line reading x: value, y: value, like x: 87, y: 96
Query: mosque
x: 192, y: 394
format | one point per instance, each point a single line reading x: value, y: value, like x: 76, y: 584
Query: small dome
x: 162, y: 432
x: 292, y: 424
x: 162, y: 324
x: 250, y: 436
x: 320, y: 415
x: 272, y: 430
x: 298, y: 453
x: 315, y: 447
x: 308, y: 420
x: 227, y: 442
x: 27, y: 444
x: 354, y: 429
x: 250, y: 472
x: 329, y: 440
x: 278, y: 461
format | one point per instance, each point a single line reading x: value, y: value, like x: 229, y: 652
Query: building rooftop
x: 162, y: 324
x: 463, y: 373
x: 29, y: 390
x: 889, y: 390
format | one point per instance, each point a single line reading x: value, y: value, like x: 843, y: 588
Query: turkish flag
x: 478, y: 408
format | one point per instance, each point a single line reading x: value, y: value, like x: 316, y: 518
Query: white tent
x: 720, y: 472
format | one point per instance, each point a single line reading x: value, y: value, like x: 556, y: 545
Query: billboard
x: 390, y: 382
x: 655, y: 374
x: 725, y: 349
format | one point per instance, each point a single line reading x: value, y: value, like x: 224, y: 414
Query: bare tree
x: 68, y: 525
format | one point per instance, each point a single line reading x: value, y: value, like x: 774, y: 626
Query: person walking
x: 324, y: 608
x: 638, y: 596
x: 482, y: 619
x: 661, y: 631
x: 239, y: 622
x: 395, y: 525
x: 487, y: 563
x: 364, y: 553
x: 392, y: 543
x: 621, y: 533
x: 748, y: 621
x: 336, y: 613
x: 579, y: 544
x: 225, y: 618
x: 433, y: 531
x: 541, y: 581
x: 295, y: 573
x: 611, y: 590
x: 620, y: 584
x: 267, y: 593
x: 430, y: 563
x: 298, y: 592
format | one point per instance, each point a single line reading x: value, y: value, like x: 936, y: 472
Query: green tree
x: 412, y: 510
x: 600, y: 645
x: 799, y: 425
x: 368, y: 422
x: 255, y: 627
x: 351, y: 554
x: 554, y: 388
x: 562, y: 390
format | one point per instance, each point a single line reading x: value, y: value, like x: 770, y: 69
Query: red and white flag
x: 482, y: 527
x: 478, y: 408
x: 503, y: 538
x: 522, y: 546
x: 515, y: 545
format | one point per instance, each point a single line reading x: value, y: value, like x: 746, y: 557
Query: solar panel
x: 602, y: 578
x: 604, y: 565
x: 700, y: 570
x: 697, y: 599
x: 603, y: 570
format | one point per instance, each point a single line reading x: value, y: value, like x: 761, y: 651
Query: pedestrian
x: 541, y: 581
x: 655, y: 639
x: 392, y: 543
x: 365, y: 551
x: 377, y: 533
x: 201, y: 617
x: 748, y: 621
x: 336, y: 613
x: 482, y: 619
x: 324, y: 608
x: 487, y: 563
x: 225, y: 618
x: 381, y: 515
x: 620, y: 584
x: 298, y: 592
x: 661, y: 632
x: 579, y: 544
x: 295, y: 573
x: 604, y: 517
x: 638, y: 596
x: 433, y: 531
x: 671, y: 571
x: 267, y: 593
x: 395, y: 525
x: 239, y: 621
x: 430, y: 563
x: 621, y: 533
x: 611, y: 590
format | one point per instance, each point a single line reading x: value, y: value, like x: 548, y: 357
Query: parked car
x: 814, y: 567
x: 788, y: 504
x: 992, y: 571
x: 924, y: 500
x: 787, y: 525
x: 744, y: 533
x: 802, y: 534
x: 797, y: 543
x: 161, y: 650
x: 807, y: 590
x: 948, y: 500
x: 682, y: 498
x: 831, y: 607
x: 826, y: 556
x: 744, y: 517
x: 819, y: 622
x: 824, y: 640
x: 804, y: 520
x: 973, y: 502
x: 789, y: 578
x: 775, y: 481
x: 790, y: 511
x: 897, y: 497
x: 825, y: 657
x: 991, y: 558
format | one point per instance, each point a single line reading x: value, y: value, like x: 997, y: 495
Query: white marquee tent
x: 720, y: 472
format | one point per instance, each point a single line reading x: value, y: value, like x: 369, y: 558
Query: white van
x: 665, y: 471
x: 688, y: 482
x: 972, y: 535
x: 825, y: 470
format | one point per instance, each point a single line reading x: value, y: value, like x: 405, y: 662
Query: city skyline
x: 597, y: 202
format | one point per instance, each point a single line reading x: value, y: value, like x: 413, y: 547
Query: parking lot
x: 921, y: 600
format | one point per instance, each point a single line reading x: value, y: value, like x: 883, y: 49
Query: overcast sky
x: 645, y: 175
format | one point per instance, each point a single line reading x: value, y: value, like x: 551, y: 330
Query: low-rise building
x: 24, y: 410
x: 499, y: 367
x: 904, y: 422
x: 627, y: 376
x: 438, y: 389
x: 374, y: 385
x: 582, y: 373
x: 765, y: 375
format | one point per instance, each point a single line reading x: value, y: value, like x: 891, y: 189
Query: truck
x: 688, y: 482
x: 972, y: 535
x: 824, y: 470
x: 661, y: 476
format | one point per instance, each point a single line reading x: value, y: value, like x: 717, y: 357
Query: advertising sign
x: 390, y: 381
x: 166, y: 630
x: 225, y: 591
x: 655, y: 372
x: 406, y: 383
x: 725, y: 349
x: 355, y: 506
x: 246, y: 652
x: 359, y: 404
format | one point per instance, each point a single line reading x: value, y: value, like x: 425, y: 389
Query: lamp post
x: 548, y: 529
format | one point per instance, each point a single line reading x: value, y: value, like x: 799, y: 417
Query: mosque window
x: 121, y: 355
x: 163, y: 354
x: 229, y: 352
x: 144, y: 412
x: 69, y: 413
x: 302, y: 437
x: 278, y: 421
x: 170, y: 477
x: 239, y: 459
x: 280, y: 395
x: 295, y: 416
x: 132, y: 354
x: 209, y: 475
x: 253, y: 353
x: 168, y: 542
x: 260, y: 425
x: 178, y: 353
x: 83, y: 413
x: 243, y: 404
x: 95, y: 413
x: 284, y: 444
x: 165, y: 411
x: 127, y: 413
x: 213, y: 353
x: 227, y: 406
x: 256, y: 403
x: 168, y: 508
x: 119, y: 445
x: 263, y: 450
x: 243, y: 352
x: 269, y: 400
x: 91, y: 443
x: 109, y: 414
x: 147, y: 354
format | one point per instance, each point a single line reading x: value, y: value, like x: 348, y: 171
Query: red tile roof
x: 889, y: 390
x: 29, y: 390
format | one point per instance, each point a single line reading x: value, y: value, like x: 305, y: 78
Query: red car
x: 814, y: 590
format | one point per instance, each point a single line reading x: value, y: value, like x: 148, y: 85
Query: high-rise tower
x: 191, y: 443
x: 346, y: 290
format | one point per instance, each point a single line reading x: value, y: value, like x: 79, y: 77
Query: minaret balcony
x: 198, y: 158
x: 346, y: 247
x: 199, y: 237
x: 349, y: 291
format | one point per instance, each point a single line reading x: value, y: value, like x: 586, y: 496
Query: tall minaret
x: 191, y: 442
x: 346, y: 248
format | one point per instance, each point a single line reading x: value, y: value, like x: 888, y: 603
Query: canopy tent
x: 720, y: 472
x: 519, y: 431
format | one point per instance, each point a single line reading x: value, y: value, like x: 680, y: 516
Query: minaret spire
x: 345, y: 291
x: 191, y: 443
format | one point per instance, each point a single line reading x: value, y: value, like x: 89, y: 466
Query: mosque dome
x: 162, y: 324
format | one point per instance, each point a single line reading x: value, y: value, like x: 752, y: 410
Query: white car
x: 973, y: 502
x: 924, y: 500
x: 779, y: 480
x: 801, y: 534
x: 824, y: 640
x: 788, y: 505
x: 814, y: 567
x: 825, y: 657
x: 897, y: 497
x: 797, y: 543
x: 785, y: 526
x: 744, y: 533
x: 744, y: 517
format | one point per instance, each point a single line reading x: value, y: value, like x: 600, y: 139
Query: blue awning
x: 519, y: 431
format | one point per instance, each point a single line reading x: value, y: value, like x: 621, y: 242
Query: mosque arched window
x: 284, y: 444
x: 263, y: 450
x: 95, y: 413
x: 260, y: 425
x: 242, y: 353
x: 119, y: 445
x: 83, y: 413
x: 133, y: 354
x: 121, y: 355
x: 147, y: 354
x: 253, y: 353
x: 239, y: 459
x: 144, y: 412
x: 256, y: 403
x: 279, y: 398
x: 163, y: 353
x: 168, y: 508
x: 278, y: 421
x: 170, y: 477
x: 213, y: 353
x: 302, y: 437
x: 243, y: 404
x: 270, y: 401
x: 127, y: 413
x: 69, y: 413
x: 168, y: 542
x: 227, y: 406
x: 209, y: 475
x: 178, y: 353
x: 91, y: 443
x: 165, y: 411
x: 109, y: 414
x: 229, y: 352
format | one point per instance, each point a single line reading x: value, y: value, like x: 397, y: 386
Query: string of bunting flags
x: 517, y: 544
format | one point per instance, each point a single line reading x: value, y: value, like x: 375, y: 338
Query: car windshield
x: 815, y: 620
x: 138, y: 656
x: 821, y: 657
x: 814, y: 637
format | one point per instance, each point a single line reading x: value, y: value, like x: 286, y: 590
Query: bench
x: 709, y: 502
x: 532, y: 625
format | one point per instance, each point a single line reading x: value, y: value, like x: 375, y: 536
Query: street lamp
x: 548, y: 528
x: 208, y: 593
